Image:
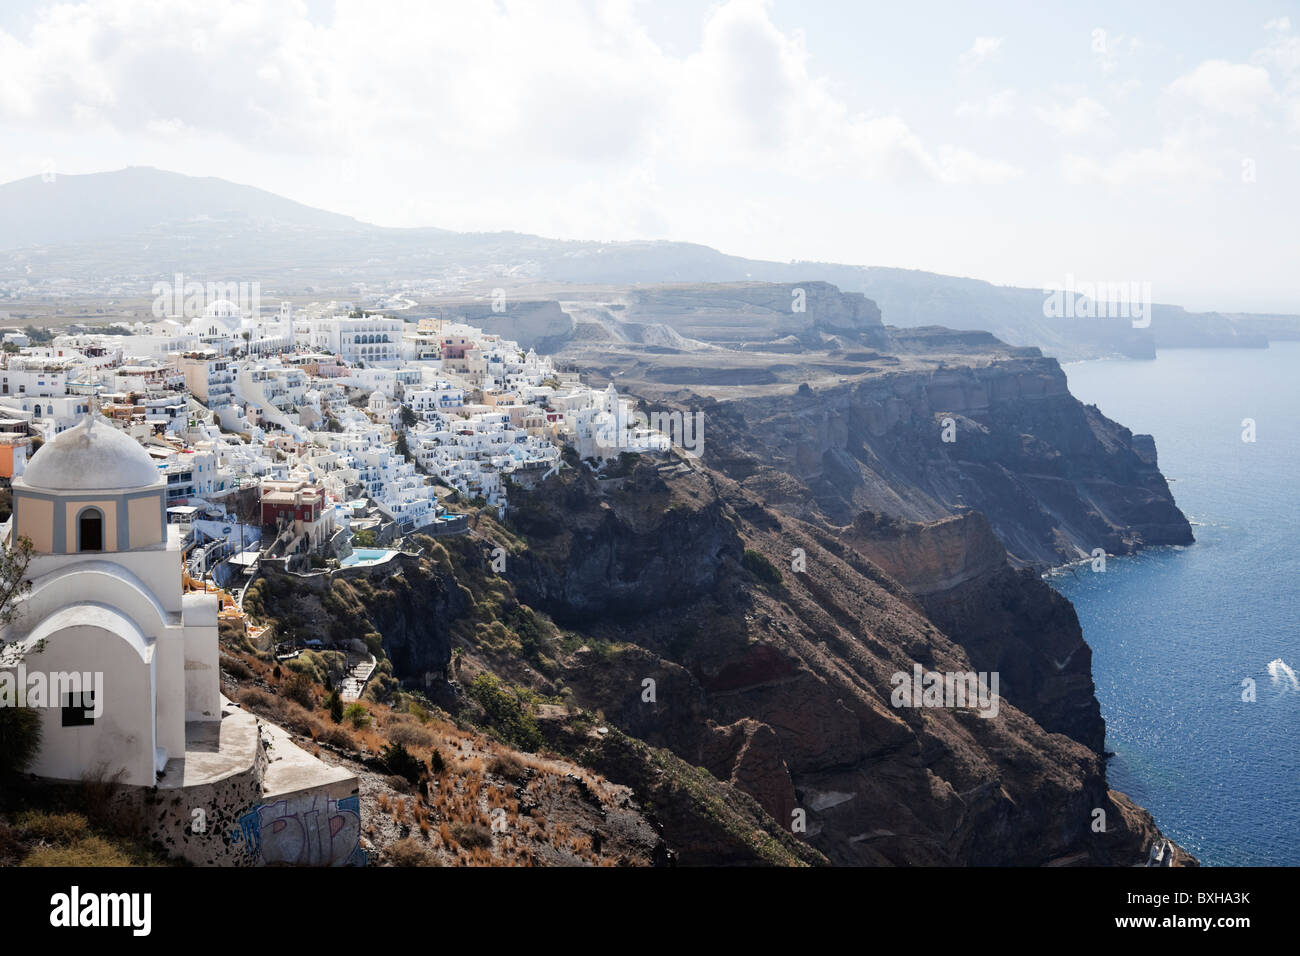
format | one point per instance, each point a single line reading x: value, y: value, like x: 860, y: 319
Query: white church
x: 106, y: 601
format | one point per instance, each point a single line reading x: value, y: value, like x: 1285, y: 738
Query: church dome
x: 92, y: 456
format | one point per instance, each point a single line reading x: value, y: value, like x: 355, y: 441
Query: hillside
x: 769, y: 696
x: 118, y: 232
x: 770, y: 688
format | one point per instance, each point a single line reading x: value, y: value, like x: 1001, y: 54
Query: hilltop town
x: 336, y: 420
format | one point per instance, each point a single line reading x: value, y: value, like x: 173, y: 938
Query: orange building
x: 13, y: 455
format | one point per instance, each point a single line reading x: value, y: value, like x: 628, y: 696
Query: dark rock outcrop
x: 409, y: 603
x: 1009, y: 621
x: 783, y: 689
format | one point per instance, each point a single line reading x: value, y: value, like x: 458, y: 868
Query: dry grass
x: 411, y: 736
x: 92, y: 851
x: 61, y: 828
x: 68, y: 839
x: 409, y: 852
x: 508, y: 765
x: 478, y: 779
x: 472, y: 836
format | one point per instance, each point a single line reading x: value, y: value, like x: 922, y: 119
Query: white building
x: 106, y: 599
x: 375, y: 340
x: 106, y: 603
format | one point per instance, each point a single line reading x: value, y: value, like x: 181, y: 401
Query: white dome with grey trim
x: 92, y: 456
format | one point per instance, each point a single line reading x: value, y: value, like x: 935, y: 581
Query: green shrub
x: 307, y: 663
x: 532, y: 636
x: 506, y: 713
x: 20, y: 739
x: 758, y: 565
x: 255, y: 599
x: 356, y: 715
x: 301, y: 689
x: 400, y: 762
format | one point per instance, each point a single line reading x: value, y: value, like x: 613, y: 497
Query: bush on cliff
x: 758, y: 565
x: 255, y: 600
x: 300, y: 689
x: 408, y: 852
x: 356, y: 715
x: 401, y: 762
x: 506, y: 713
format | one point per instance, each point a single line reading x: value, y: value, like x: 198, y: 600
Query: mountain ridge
x: 139, y: 222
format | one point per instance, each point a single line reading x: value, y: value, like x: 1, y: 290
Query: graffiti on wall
x: 304, y: 830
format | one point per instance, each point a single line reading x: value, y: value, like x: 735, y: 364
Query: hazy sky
x: 1016, y: 142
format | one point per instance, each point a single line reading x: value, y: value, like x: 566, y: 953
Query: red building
x: 299, y: 504
x: 454, y: 346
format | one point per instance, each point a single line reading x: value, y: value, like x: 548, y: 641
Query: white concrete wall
x: 202, y: 665
x: 121, y: 739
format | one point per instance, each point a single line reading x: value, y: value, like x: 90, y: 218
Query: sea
x: 1196, y: 648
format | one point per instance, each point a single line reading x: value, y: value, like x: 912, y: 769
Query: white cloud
x: 1174, y: 162
x: 981, y: 51
x: 1107, y: 49
x: 747, y: 97
x: 1084, y: 117
x: 994, y: 106
x: 962, y: 167
x: 577, y: 82
x: 1236, y: 89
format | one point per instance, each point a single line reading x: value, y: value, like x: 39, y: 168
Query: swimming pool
x: 364, y: 556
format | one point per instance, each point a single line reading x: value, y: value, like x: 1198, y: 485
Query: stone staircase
x: 359, y: 671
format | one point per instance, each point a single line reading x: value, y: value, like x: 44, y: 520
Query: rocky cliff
x: 1055, y: 478
x: 779, y: 681
x: 741, y: 662
x: 725, y: 635
x: 1008, y: 620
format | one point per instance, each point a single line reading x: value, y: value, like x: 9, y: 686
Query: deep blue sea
x: 1175, y: 631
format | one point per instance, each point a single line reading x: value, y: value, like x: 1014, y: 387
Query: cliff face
x: 1007, y: 620
x: 749, y: 313
x: 1055, y: 478
x: 950, y: 479
x: 752, y: 613
x: 783, y: 687
x: 688, y: 625
x: 409, y: 605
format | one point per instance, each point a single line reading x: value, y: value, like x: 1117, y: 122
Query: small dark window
x: 78, y: 709
x: 90, y: 531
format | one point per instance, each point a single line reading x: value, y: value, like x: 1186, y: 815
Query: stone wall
x: 203, y: 837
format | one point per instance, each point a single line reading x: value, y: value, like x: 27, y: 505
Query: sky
x: 1029, y: 144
